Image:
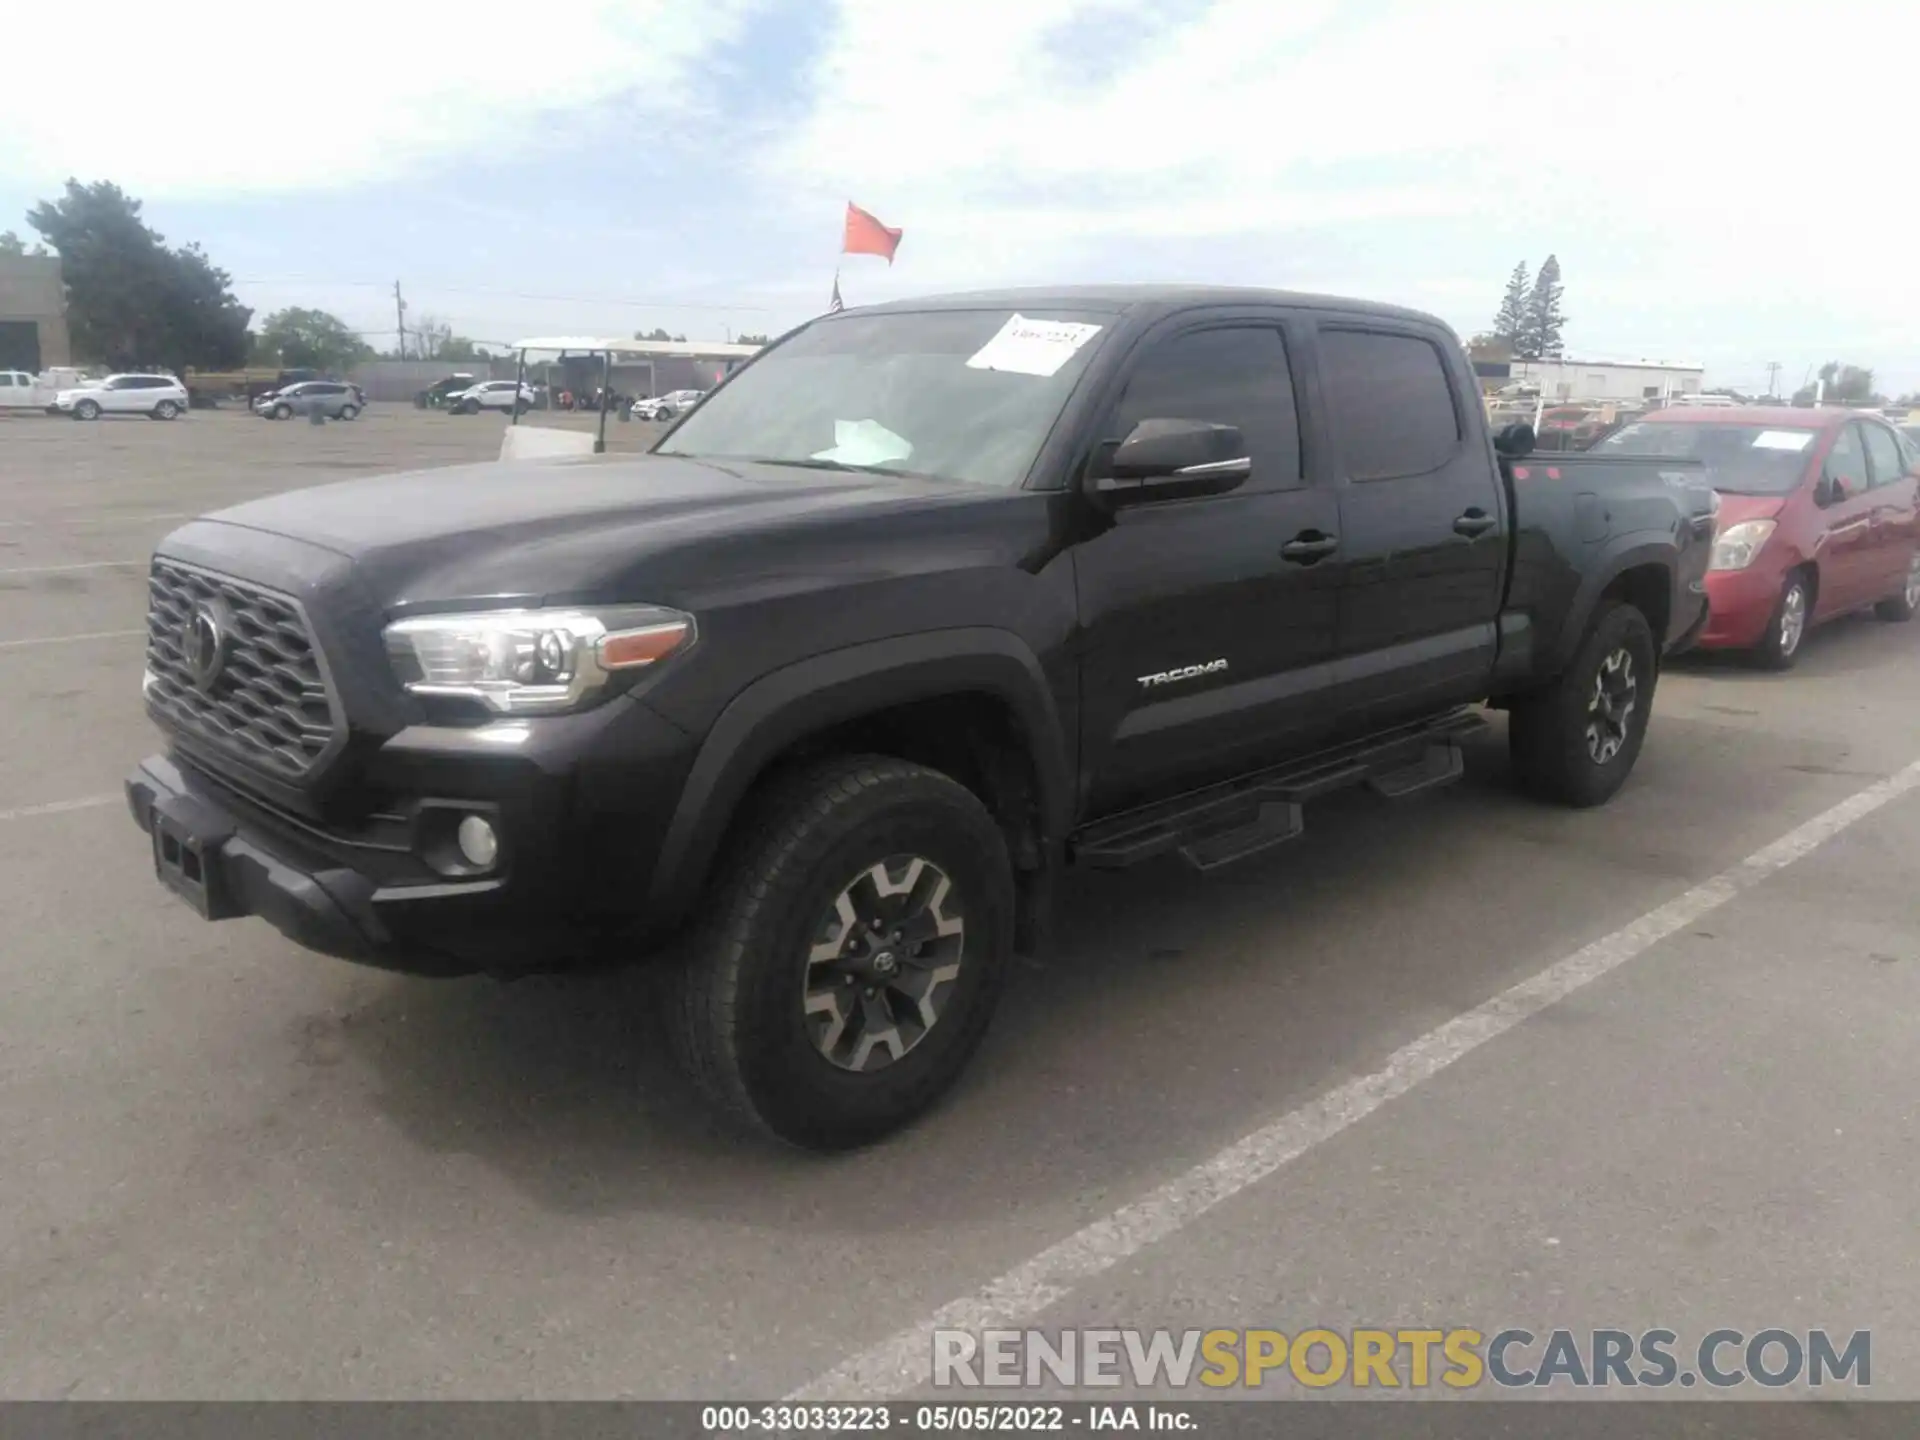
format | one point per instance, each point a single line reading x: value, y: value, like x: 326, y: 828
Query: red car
x: 1818, y: 517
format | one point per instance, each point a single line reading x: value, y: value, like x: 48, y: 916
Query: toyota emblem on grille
x: 203, y: 645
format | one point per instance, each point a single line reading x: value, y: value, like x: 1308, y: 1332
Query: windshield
x: 965, y: 395
x: 1742, y: 459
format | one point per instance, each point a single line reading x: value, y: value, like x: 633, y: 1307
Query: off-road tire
x: 1547, y: 730
x: 1777, y: 650
x: 736, y: 1017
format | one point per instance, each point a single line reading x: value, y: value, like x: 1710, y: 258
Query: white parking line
x: 84, y: 565
x: 66, y: 639
x: 61, y: 807
x: 905, y: 1361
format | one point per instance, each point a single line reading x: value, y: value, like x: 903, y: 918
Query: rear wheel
x: 1903, y: 605
x: 348, y: 412
x: 1576, y: 741
x: 1786, y: 628
x: 857, y: 944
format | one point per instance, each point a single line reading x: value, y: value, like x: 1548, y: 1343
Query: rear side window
x: 1391, y: 405
x: 1883, y: 453
x: 1234, y: 376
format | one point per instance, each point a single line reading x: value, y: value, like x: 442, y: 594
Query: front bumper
x: 1741, y: 603
x: 579, y: 804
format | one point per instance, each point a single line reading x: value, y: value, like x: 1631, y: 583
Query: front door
x: 1421, y: 521
x: 1207, y: 624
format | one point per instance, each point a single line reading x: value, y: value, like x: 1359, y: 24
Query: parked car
x: 160, y: 397
x: 436, y: 395
x: 670, y: 406
x: 932, y: 599
x: 1570, y: 427
x: 1817, y: 518
x: 491, y: 395
x: 333, y: 398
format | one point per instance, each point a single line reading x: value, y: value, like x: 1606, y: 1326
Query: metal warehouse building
x: 1568, y: 379
x: 33, y: 314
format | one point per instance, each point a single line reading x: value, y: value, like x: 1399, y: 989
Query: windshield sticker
x: 865, y: 442
x: 1783, y: 440
x: 1032, y: 347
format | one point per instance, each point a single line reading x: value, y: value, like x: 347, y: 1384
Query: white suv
x: 160, y: 397
x: 490, y: 395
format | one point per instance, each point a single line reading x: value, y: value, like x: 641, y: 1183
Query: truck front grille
x: 236, y: 667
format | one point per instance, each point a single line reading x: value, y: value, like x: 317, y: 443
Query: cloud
x: 1701, y: 151
x: 282, y: 98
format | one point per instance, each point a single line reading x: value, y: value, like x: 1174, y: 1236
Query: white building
x: 1571, y: 379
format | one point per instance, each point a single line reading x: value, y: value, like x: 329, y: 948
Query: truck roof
x: 1120, y: 298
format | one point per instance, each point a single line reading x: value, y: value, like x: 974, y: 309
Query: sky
x: 1724, y: 184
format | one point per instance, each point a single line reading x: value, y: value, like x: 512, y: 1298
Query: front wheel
x: 1903, y: 606
x: 283, y: 412
x: 1779, y: 647
x: 86, y: 410
x: 858, y: 942
x: 1576, y: 741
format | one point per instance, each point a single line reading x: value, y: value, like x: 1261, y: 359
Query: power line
x: 513, y: 294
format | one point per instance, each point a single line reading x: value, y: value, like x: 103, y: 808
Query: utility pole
x: 399, y: 321
x: 1773, y: 369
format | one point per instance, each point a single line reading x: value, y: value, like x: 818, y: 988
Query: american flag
x: 836, y: 303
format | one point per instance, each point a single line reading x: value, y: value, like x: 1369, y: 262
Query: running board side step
x: 1242, y: 817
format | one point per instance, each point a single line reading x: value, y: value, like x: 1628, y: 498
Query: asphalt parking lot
x: 235, y: 1169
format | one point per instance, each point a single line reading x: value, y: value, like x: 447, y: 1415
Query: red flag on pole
x: 867, y: 236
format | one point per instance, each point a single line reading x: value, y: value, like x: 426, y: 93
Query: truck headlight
x: 532, y: 662
x: 1735, y: 547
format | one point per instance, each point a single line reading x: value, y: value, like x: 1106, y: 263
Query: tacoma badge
x: 1185, y: 672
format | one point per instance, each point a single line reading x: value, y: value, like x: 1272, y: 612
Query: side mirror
x: 1515, y: 441
x: 1832, y: 490
x: 1171, y: 460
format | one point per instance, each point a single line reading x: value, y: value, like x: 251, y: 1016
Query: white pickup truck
x: 21, y: 391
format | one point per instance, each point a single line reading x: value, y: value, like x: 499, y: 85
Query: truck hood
x: 588, y: 529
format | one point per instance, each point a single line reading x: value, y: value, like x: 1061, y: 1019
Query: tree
x: 1845, y: 385
x: 1540, y: 330
x: 131, y: 300
x: 298, y: 339
x: 660, y: 335
x: 1511, y: 318
x: 428, y: 336
x: 14, y: 248
x: 753, y: 340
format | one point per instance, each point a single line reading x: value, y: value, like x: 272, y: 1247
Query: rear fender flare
x: 789, y: 704
x: 1618, y: 556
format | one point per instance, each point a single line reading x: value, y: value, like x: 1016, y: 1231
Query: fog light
x: 479, y: 846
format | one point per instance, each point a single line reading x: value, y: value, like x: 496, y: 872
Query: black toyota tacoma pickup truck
x: 926, y: 602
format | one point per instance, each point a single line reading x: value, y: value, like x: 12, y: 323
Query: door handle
x: 1475, y: 522
x: 1309, y: 546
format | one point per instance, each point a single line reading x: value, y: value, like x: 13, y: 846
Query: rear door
x: 1207, y: 624
x: 1845, y: 552
x: 1421, y: 521
x: 1893, y: 523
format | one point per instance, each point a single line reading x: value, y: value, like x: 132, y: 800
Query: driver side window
x: 1847, y: 461
x: 1230, y: 376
